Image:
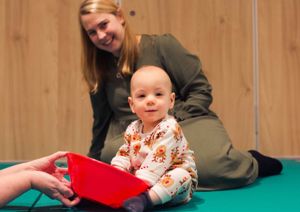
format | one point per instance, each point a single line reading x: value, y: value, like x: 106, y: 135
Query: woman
x: 111, y: 53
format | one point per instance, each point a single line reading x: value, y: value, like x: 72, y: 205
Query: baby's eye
x: 141, y: 96
x: 159, y: 94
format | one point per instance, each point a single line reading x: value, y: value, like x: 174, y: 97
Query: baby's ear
x: 130, y: 102
x: 172, y: 100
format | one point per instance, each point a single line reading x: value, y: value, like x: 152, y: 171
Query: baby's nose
x: 150, y: 100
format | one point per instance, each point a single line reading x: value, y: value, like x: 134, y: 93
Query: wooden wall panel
x: 220, y: 33
x: 3, y: 85
x: 45, y: 108
x: 279, y: 68
x: 75, y: 118
x: 44, y: 103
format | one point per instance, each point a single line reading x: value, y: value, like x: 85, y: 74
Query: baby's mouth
x: 151, y: 110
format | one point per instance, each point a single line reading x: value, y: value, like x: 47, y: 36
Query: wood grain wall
x: 279, y: 76
x: 220, y: 33
x: 249, y: 50
x: 44, y: 107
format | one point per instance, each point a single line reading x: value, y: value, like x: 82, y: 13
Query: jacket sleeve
x: 193, y: 91
x: 102, y: 115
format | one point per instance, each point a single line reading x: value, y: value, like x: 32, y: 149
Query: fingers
x: 57, y: 155
x: 65, y: 190
x: 71, y: 203
x: 62, y: 170
x: 65, y: 193
x: 68, y: 202
x: 54, y: 157
x: 66, y: 182
x: 59, y: 172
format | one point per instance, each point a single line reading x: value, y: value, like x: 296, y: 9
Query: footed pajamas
x: 161, y: 158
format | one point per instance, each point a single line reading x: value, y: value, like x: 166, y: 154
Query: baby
x: 155, y: 148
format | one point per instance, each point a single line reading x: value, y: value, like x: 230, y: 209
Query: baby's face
x: 151, y: 96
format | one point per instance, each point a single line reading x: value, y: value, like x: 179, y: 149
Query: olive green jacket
x: 193, y: 91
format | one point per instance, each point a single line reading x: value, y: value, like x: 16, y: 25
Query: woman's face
x: 105, y: 30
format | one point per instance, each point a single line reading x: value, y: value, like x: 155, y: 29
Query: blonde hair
x: 95, y: 62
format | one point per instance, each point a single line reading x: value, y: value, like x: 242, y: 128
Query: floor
x: 277, y: 194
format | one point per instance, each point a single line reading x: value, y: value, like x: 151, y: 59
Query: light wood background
x: 250, y: 50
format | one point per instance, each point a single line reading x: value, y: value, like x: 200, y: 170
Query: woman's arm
x: 46, y: 164
x: 12, y: 185
x: 15, y: 184
x: 193, y: 91
x: 102, y: 116
x: 40, y: 174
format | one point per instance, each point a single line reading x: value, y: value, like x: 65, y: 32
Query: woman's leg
x: 114, y: 140
x: 219, y: 164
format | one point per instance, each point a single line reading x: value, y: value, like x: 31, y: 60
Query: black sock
x: 138, y: 203
x: 267, y: 166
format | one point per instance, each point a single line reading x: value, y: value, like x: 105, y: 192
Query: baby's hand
x: 122, y: 169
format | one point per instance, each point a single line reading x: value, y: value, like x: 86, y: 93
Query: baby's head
x: 151, y: 94
x: 151, y: 74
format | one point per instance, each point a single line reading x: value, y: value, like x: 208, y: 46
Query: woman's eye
x: 103, y: 25
x: 91, y: 33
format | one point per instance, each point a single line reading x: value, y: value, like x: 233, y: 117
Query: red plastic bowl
x: 101, y: 182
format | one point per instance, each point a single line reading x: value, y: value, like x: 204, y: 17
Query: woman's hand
x: 47, y: 164
x: 49, y: 178
x: 55, y: 187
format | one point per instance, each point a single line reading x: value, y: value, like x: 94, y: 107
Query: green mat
x: 277, y: 194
